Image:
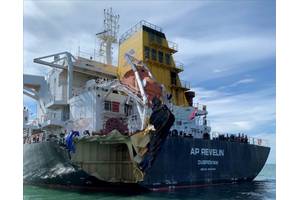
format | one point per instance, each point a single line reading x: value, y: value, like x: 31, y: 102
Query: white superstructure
x: 93, y: 99
x: 86, y: 95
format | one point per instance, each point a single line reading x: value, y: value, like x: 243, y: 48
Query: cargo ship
x: 133, y: 125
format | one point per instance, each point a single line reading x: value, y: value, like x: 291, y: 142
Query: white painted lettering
x: 192, y: 151
x: 207, y: 152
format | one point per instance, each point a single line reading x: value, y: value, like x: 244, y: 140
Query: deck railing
x: 136, y: 28
x: 91, y: 54
x: 185, y: 84
x: 250, y: 140
x: 179, y: 65
x: 172, y: 45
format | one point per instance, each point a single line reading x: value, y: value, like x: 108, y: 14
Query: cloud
x: 239, y: 82
x: 252, y: 113
x: 178, y: 10
x: 214, y: 41
x: 218, y: 70
x: 246, y: 80
x: 246, y: 112
x: 225, y: 56
x: 217, y: 43
x: 258, y: 46
x: 51, y: 27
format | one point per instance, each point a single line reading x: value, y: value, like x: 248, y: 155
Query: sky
x: 227, y: 48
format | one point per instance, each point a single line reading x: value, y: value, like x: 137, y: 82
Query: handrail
x: 251, y: 140
x: 185, y: 84
x: 179, y: 65
x: 84, y: 53
x: 172, y: 45
x: 137, y: 27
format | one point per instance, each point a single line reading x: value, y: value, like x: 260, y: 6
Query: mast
x: 108, y: 36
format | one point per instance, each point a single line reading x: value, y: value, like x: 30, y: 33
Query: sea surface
x: 262, y: 188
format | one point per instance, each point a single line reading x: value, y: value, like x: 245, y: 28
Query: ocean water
x: 262, y: 188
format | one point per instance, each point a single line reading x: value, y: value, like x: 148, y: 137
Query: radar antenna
x: 109, y: 35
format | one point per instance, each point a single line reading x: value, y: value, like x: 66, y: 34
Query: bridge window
x: 147, y: 52
x: 153, y: 54
x: 160, y: 57
x: 111, y: 106
x: 173, y: 78
x: 168, y: 59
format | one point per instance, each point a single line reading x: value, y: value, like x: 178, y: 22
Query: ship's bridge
x: 157, y: 42
x: 151, y: 46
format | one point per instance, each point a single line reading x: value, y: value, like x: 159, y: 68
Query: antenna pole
x: 108, y: 37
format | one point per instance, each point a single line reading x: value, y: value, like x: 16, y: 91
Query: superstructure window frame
x: 147, y: 52
x: 107, y: 105
x: 168, y: 58
x: 173, y: 78
x: 160, y: 56
x: 112, y: 106
x: 154, y: 54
